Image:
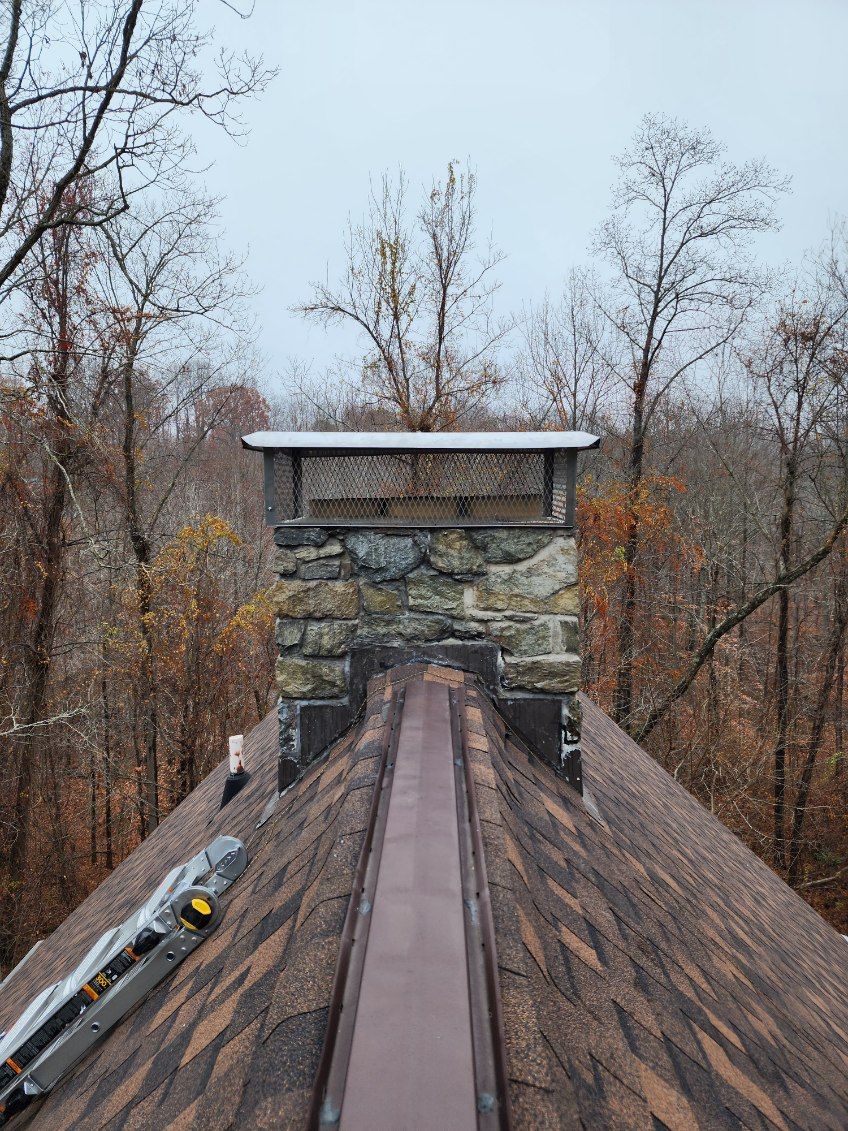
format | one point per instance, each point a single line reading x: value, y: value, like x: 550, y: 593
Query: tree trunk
x: 838, y: 713
x: 92, y: 806
x: 782, y: 701
x: 782, y: 669
x: 743, y: 585
x: 146, y: 692
x: 623, y: 699
x: 107, y: 775
x: 837, y: 635
x: 37, y: 662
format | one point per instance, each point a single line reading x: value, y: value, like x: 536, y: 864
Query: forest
x: 135, y: 634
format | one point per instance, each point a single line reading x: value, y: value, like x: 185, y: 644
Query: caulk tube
x: 238, y: 776
x: 236, y: 753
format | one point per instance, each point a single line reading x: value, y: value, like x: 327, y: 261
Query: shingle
x: 652, y: 972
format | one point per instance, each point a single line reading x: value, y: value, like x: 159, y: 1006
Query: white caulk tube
x: 238, y: 776
x: 236, y: 753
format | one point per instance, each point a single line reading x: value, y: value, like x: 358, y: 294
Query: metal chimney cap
x: 420, y: 441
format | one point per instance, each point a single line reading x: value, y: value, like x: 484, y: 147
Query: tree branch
x: 783, y: 579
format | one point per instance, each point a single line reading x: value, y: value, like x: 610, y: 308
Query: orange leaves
x: 251, y: 623
x: 608, y: 516
x: 187, y: 600
x: 28, y: 607
x: 184, y: 597
x: 197, y: 638
x: 605, y: 516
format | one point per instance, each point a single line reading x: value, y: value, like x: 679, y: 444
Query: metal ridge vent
x: 415, y: 1032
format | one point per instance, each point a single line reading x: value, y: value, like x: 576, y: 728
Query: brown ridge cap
x: 415, y: 1002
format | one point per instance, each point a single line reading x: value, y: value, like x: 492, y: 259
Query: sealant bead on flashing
x: 330, y: 1113
x: 592, y: 808
x: 268, y: 811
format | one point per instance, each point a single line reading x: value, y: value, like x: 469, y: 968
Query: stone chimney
x: 453, y: 547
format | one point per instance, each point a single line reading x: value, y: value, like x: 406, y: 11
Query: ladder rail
x: 64, y: 1021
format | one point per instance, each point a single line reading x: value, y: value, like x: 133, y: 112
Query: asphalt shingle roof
x: 653, y: 972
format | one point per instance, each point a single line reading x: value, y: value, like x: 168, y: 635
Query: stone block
x: 310, y: 679
x: 411, y: 628
x: 383, y: 557
x: 285, y: 562
x: 569, y: 635
x: 506, y: 597
x: 288, y: 633
x: 452, y: 551
x: 554, y: 674
x: 329, y: 549
x: 381, y: 598
x: 328, y: 637
x: 547, y: 585
x: 470, y: 629
x: 325, y: 569
x: 435, y: 593
x: 317, y: 599
x: 533, y: 639
x: 505, y: 545
x: 300, y: 535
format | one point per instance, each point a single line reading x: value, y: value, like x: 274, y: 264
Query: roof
x: 420, y: 441
x: 652, y: 971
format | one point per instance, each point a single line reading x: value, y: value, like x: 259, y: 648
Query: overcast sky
x: 539, y: 94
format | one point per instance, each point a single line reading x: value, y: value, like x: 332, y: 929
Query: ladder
x: 63, y: 1022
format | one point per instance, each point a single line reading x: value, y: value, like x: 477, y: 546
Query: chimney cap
x: 362, y: 442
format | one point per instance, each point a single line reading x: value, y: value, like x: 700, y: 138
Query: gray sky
x: 539, y: 94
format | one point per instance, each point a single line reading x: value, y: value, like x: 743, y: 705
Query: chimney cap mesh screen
x: 420, y: 487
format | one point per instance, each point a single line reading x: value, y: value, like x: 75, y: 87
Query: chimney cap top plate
x: 361, y: 442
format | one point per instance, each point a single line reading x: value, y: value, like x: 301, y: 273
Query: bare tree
x: 90, y: 92
x: 423, y: 303
x: 681, y: 286
x: 833, y: 651
x: 58, y: 396
x: 798, y: 367
x: 91, y: 97
x: 801, y: 367
x: 174, y: 302
x: 564, y: 372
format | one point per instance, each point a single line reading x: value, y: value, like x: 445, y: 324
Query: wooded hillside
x: 134, y: 630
